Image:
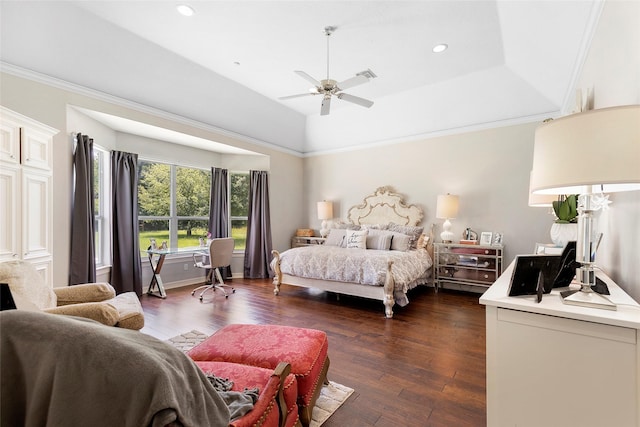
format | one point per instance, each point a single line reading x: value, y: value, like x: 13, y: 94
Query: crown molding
x: 81, y: 90
x: 589, y: 32
x: 440, y: 133
x: 122, y: 102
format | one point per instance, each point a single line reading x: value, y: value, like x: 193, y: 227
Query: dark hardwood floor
x: 424, y: 367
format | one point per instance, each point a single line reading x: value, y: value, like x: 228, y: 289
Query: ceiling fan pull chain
x: 327, y: 31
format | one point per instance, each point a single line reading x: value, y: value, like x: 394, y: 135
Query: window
x: 193, y: 187
x: 100, y: 206
x: 173, y: 205
x: 154, y: 202
x: 239, y: 203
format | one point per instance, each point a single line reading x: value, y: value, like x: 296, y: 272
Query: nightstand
x: 297, y: 241
x: 474, y: 265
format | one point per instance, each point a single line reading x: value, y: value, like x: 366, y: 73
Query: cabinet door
x: 36, y: 149
x: 9, y: 141
x: 44, y: 269
x: 550, y: 371
x: 9, y: 218
x: 36, y: 215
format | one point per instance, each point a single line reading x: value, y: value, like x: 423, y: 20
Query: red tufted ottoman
x: 267, y: 345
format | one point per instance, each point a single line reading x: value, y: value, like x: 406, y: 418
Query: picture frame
x: 497, y: 239
x: 485, y: 237
x: 547, y: 249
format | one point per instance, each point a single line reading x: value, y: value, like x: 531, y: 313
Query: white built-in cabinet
x: 25, y: 191
x: 552, y: 364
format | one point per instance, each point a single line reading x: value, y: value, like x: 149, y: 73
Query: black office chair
x: 220, y: 252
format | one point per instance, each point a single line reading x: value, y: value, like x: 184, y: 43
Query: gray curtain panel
x: 258, y: 251
x: 218, y: 205
x: 219, y: 209
x: 82, y: 268
x: 126, y: 270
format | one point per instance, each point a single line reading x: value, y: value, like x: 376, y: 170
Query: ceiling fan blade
x: 326, y: 105
x: 353, y: 81
x: 308, y: 78
x: 298, y: 95
x: 355, y: 99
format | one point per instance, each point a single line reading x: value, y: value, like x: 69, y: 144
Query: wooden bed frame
x: 381, y: 207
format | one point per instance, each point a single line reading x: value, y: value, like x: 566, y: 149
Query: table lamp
x: 446, y: 208
x: 325, y: 212
x: 589, y: 153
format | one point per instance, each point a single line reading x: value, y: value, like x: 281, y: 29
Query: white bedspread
x: 363, y: 266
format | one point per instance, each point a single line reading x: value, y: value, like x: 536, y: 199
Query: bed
x: 380, y: 253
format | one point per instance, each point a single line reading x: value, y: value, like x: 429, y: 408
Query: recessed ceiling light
x: 440, y: 48
x: 185, y: 10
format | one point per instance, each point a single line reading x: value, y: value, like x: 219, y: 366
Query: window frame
x: 173, y: 219
x: 101, y: 214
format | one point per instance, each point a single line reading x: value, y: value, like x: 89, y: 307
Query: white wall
x: 612, y: 70
x: 488, y: 170
x: 48, y: 104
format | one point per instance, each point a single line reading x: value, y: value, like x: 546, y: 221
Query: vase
x: 563, y: 233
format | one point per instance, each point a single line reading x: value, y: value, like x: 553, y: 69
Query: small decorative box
x: 304, y: 232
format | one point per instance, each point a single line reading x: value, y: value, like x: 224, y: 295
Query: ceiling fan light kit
x: 329, y: 87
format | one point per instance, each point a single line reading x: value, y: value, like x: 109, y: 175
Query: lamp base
x: 589, y: 298
x: 324, y: 229
x: 447, y: 234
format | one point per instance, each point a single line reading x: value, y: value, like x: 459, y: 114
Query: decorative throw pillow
x: 335, y: 237
x: 379, y: 239
x: 423, y: 242
x: 413, y: 232
x: 400, y: 242
x: 356, y: 239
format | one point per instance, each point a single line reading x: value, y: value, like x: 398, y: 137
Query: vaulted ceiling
x: 229, y: 63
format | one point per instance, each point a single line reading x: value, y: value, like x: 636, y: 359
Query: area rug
x: 332, y: 395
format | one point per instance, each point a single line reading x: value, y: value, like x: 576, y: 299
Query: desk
x: 156, y: 260
x: 551, y: 364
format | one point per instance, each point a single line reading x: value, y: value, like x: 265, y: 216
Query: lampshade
x: 540, y: 200
x: 447, y: 206
x: 596, y: 147
x: 325, y: 210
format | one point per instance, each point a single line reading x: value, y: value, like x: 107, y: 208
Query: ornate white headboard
x: 385, y: 206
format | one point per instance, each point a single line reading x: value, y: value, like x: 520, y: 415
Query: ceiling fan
x: 328, y: 87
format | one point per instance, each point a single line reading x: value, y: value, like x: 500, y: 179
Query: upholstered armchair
x: 96, y: 301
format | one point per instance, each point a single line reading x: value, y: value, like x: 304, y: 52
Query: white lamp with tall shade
x: 447, y: 208
x: 325, y: 212
x: 588, y: 153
